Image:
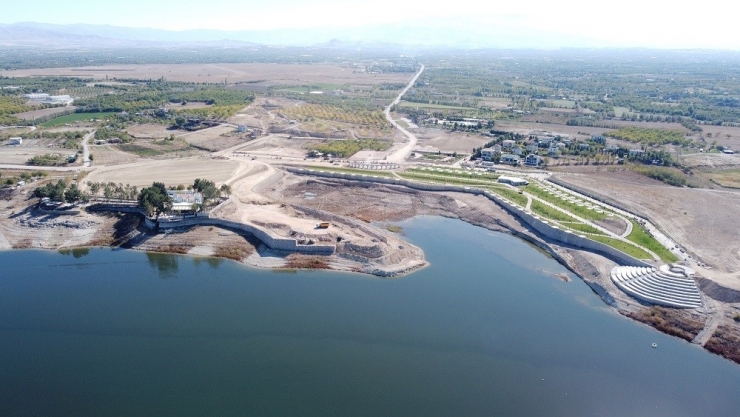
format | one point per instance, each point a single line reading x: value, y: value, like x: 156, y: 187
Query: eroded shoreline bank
x: 39, y: 230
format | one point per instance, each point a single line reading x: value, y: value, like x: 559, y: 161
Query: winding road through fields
x: 402, y: 153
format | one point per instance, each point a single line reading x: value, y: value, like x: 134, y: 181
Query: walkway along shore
x: 535, y: 222
x: 273, y: 242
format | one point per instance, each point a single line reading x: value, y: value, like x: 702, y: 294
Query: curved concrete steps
x: 669, y: 285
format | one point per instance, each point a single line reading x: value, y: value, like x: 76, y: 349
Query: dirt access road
x: 401, y: 154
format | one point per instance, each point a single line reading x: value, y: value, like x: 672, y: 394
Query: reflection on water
x: 208, y: 260
x: 76, y: 252
x: 166, y: 264
x: 481, y: 331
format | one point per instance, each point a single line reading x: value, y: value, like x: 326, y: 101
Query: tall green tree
x: 154, y: 199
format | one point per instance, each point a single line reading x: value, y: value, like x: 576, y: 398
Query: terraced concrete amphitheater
x: 669, y: 285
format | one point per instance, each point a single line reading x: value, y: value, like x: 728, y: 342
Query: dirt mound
x: 718, y: 292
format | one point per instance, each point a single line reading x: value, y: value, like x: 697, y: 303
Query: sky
x: 642, y: 23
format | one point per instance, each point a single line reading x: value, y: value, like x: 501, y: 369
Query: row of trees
x: 59, y: 191
x: 155, y: 200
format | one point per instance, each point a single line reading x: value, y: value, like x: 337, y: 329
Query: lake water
x: 485, y: 330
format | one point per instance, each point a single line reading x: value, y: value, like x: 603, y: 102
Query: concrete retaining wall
x: 276, y: 243
x: 540, y: 225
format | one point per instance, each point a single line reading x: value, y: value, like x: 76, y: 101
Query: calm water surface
x: 485, y: 330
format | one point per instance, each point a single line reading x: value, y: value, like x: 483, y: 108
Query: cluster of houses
x: 541, y: 144
x: 511, y: 154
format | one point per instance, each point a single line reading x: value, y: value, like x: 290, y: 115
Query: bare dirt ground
x: 278, y: 145
x: 105, y: 155
x: 19, y: 154
x: 188, y: 105
x: 216, y: 73
x: 171, y: 172
x: 704, y: 221
x: 446, y: 141
x: 711, y: 160
x: 35, y: 114
x: 152, y: 131
x: 214, y: 139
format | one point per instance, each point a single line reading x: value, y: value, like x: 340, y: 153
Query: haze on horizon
x: 522, y: 23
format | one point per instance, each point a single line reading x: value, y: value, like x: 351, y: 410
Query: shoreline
x: 590, y: 267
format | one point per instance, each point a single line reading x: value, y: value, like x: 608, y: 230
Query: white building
x: 510, y: 159
x: 36, y: 96
x: 532, y: 160
x: 47, y: 99
x: 15, y: 141
x: 513, y: 181
x: 508, y: 144
x: 487, y: 154
x: 64, y: 99
x: 184, y: 200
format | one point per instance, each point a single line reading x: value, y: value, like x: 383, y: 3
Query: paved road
x: 39, y: 168
x: 401, y: 154
x: 86, y: 149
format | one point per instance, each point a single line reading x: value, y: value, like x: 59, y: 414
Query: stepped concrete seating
x: 658, y: 286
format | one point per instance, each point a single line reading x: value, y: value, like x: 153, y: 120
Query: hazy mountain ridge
x: 427, y: 33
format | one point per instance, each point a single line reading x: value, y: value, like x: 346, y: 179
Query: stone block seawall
x: 539, y: 225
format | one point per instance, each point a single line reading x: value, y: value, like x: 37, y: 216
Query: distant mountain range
x: 422, y: 33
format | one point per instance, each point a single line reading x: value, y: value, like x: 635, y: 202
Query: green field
x: 580, y: 211
x: 75, y: 117
x: 352, y: 171
x: 623, y: 246
x: 582, y: 227
x: 510, y: 194
x: 548, y: 212
x: 444, y: 179
x: 642, y: 238
x: 456, y: 174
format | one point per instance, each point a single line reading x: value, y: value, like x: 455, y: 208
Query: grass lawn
x: 548, y: 212
x: 75, y: 117
x: 623, y: 246
x: 445, y: 179
x: 582, y: 227
x: 581, y: 211
x: 642, y: 238
x: 455, y: 173
x: 510, y: 194
x: 352, y: 171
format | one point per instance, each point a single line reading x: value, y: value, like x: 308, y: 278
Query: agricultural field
x: 349, y: 147
x: 159, y: 149
x: 726, y: 178
x: 649, y: 136
x: 104, y: 155
x: 309, y: 112
x: 175, y: 171
x: 77, y: 117
x: 214, y: 139
x: 32, y: 148
x: 44, y: 113
x: 152, y: 131
x: 290, y: 74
